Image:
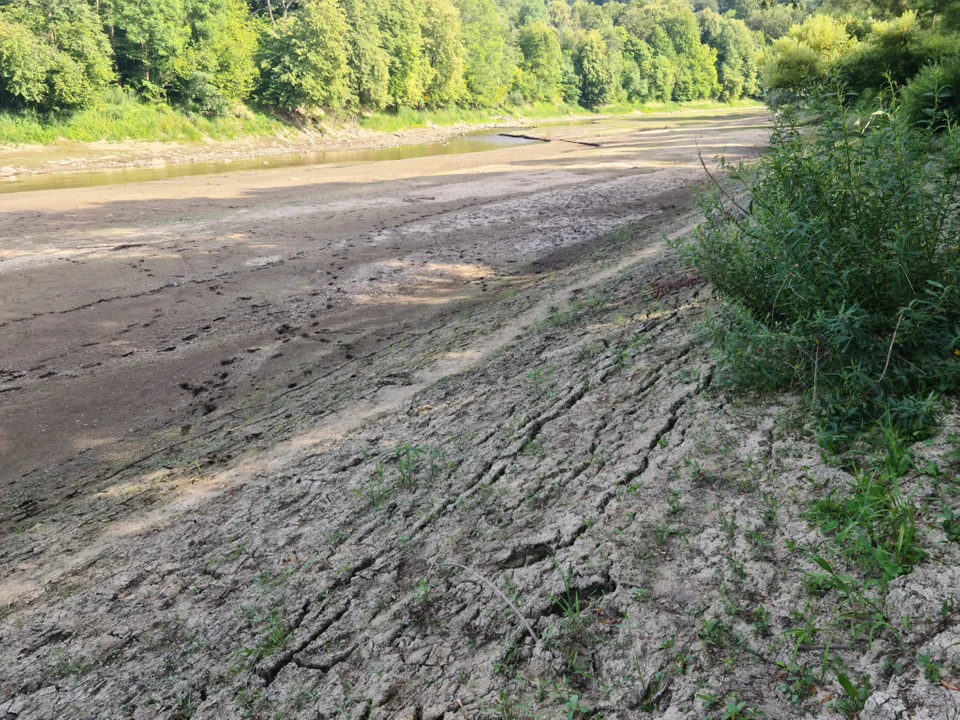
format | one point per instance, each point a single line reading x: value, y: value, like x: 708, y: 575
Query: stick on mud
x: 479, y: 577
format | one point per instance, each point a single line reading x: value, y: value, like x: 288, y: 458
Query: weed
x: 770, y: 507
x: 863, y: 615
x: 378, y: 489
x: 709, y: 700
x: 854, y: 696
x: 412, y: 460
x: 621, y: 359
x: 804, y: 634
x: 423, y: 592
x: 651, y: 691
x: 728, y: 523
x: 875, y: 526
x: 762, y: 548
x: 739, y: 711
x: 761, y: 621
x: 64, y: 666
x: 569, y: 601
x: 542, y: 379
x: 715, y: 634
x: 798, y: 685
x: 700, y: 477
x: 931, y: 668
x: 557, y: 318
x: 673, y: 503
x: 951, y: 524
x: 272, y: 636
x: 413, y: 463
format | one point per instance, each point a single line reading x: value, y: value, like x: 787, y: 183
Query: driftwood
x: 531, y: 137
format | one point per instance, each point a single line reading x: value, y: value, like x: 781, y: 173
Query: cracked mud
x: 508, y: 485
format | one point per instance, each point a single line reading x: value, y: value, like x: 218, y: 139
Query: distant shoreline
x: 81, y: 156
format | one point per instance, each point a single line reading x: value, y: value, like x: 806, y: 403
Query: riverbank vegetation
x: 840, y: 268
x: 65, y: 65
x: 223, y: 68
x: 308, y: 59
x: 838, y: 265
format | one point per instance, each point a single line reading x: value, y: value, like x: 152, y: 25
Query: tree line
x: 371, y: 55
x: 304, y: 56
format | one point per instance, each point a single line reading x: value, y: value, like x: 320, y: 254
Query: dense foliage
x: 207, y: 56
x: 840, y: 270
x: 870, y: 46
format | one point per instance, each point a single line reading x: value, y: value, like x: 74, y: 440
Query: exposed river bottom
x: 415, y: 438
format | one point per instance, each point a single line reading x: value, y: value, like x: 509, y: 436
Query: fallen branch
x: 480, y: 578
x: 540, y: 139
x: 716, y: 182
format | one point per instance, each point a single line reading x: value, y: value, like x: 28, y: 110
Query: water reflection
x: 469, y: 143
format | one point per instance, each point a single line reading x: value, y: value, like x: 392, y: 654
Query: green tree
x: 894, y: 50
x: 25, y: 64
x: 369, y: 61
x: 542, y: 64
x: 303, y: 60
x: 601, y: 18
x: 528, y: 12
x: 806, y: 54
x: 681, y: 64
x: 217, y: 67
x: 738, y: 53
x: 53, y: 54
x: 400, y: 22
x: 444, y: 53
x: 149, y: 36
x: 597, y: 81
x: 487, y: 65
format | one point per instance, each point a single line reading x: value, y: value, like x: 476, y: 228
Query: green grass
x: 119, y: 115
x: 407, y: 118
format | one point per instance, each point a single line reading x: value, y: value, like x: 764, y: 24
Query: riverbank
x: 438, y: 439
x: 174, y: 143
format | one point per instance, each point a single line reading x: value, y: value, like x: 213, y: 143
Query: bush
x: 806, y: 55
x: 841, y: 275
x: 932, y: 98
x: 894, y: 51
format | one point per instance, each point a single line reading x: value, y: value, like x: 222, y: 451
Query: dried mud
x: 558, y: 438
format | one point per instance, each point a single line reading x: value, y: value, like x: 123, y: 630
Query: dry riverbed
x: 427, y: 439
x: 17, y: 161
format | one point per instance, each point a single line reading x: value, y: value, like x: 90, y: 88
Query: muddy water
x: 469, y: 143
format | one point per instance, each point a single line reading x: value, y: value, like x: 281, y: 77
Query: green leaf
x: 848, y: 687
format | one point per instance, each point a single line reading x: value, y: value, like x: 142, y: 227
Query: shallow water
x: 469, y: 143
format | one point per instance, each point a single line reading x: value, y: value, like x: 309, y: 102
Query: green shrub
x: 840, y: 273
x: 805, y: 56
x: 894, y: 51
x: 119, y: 115
x: 932, y: 98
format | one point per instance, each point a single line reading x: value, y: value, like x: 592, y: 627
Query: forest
x: 309, y: 57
